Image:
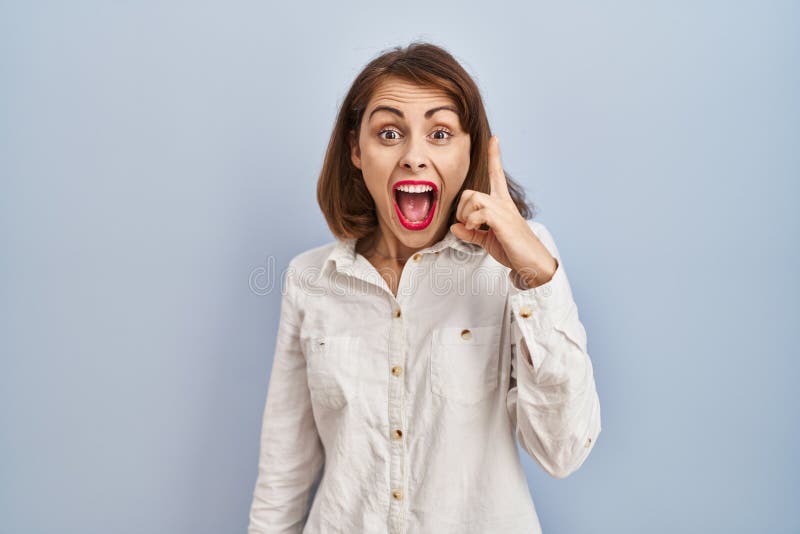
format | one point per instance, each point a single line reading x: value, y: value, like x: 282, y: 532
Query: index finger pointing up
x: 497, y: 178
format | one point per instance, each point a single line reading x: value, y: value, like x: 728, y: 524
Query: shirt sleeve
x: 553, y: 399
x: 291, y: 454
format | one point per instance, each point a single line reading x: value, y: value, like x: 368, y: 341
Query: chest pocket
x: 333, y: 370
x: 465, y: 362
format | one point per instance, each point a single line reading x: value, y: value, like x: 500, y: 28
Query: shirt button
x: 397, y: 312
x: 397, y: 434
x: 417, y: 256
x: 588, y: 442
x: 466, y: 334
x: 525, y: 311
x: 397, y: 370
x: 397, y: 494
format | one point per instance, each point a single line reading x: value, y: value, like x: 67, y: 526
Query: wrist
x: 531, y: 277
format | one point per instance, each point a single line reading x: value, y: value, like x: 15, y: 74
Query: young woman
x: 436, y: 328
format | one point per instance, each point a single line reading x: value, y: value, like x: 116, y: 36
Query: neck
x: 384, y: 245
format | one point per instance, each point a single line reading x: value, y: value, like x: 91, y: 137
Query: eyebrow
x: 428, y: 114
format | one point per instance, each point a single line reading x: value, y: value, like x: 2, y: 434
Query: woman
x: 438, y: 326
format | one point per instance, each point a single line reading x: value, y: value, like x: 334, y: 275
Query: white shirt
x: 408, y: 406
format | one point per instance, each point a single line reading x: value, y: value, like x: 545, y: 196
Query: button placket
x: 396, y: 412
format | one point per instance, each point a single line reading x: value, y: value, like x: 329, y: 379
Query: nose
x: 415, y: 157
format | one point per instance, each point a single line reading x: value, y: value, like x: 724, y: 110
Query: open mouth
x: 415, y: 202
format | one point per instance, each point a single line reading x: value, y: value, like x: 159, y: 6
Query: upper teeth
x: 420, y: 188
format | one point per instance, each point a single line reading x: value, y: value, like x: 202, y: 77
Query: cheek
x: 457, y: 161
x: 454, y: 172
x: 376, y: 165
x: 376, y: 185
x: 377, y: 190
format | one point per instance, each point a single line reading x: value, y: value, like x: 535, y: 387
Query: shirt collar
x: 343, y: 253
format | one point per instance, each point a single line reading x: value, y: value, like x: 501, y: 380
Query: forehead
x: 400, y: 93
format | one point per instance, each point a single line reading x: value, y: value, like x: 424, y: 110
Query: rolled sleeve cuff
x: 551, y: 300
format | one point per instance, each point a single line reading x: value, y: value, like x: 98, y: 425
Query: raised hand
x: 509, y: 239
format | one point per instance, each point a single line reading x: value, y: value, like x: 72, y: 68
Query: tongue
x: 414, y: 206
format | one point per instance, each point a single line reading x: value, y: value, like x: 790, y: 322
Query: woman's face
x: 414, y: 157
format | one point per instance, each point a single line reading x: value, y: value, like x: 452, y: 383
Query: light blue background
x: 155, y: 156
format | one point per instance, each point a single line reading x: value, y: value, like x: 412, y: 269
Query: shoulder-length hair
x: 341, y: 192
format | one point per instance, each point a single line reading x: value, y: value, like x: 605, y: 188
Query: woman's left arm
x: 553, y: 399
x: 553, y: 402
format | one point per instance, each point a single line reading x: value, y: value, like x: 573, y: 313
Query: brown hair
x: 341, y: 192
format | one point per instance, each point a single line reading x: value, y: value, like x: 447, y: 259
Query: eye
x: 444, y: 131
x: 388, y: 130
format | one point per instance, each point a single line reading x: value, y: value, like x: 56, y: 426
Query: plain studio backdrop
x: 159, y: 163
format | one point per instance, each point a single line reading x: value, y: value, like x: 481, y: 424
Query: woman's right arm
x: 291, y: 454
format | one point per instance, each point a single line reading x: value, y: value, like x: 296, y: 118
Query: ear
x: 355, y: 151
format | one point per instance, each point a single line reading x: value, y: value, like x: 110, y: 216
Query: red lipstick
x: 415, y: 225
